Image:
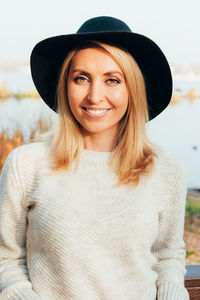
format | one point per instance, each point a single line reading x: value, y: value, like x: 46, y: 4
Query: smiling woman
x: 98, y: 97
x: 95, y: 77
x: 95, y: 211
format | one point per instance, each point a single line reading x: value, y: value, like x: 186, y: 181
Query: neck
x: 100, y: 142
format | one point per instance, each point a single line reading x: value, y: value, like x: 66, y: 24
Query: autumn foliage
x: 7, y: 145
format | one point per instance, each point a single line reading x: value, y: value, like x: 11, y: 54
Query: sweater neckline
x: 96, y: 157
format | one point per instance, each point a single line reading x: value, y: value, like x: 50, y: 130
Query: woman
x: 95, y: 211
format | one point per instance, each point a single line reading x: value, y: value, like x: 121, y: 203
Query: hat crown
x: 103, y: 24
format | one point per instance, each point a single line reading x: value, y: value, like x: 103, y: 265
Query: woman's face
x: 97, y: 92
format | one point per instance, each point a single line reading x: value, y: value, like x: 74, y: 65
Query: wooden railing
x: 192, y: 281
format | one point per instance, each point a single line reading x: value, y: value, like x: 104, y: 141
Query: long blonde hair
x: 134, y: 152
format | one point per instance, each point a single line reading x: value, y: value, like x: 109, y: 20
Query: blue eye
x: 113, y: 80
x: 80, y: 79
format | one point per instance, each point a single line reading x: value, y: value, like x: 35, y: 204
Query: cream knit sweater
x: 77, y: 237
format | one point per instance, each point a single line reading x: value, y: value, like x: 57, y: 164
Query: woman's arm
x: 14, y: 277
x: 169, y: 246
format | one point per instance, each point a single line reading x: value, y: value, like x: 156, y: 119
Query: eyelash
x: 76, y: 79
x: 80, y: 78
x: 114, y: 80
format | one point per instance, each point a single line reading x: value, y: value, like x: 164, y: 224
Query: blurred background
x: 173, y: 25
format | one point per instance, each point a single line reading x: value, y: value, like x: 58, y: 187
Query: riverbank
x: 192, y: 227
x: 194, y: 192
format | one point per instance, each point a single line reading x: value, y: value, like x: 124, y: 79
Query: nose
x: 95, y: 92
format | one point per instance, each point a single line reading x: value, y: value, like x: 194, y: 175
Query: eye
x: 80, y: 79
x: 113, y: 80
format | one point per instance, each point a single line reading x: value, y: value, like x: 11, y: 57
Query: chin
x: 93, y: 130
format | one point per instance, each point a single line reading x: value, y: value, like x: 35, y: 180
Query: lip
x: 96, y: 108
x: 96, y: 116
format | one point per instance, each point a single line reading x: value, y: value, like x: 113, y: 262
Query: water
x: 185, y: 86
x: 177, y: 129
x: 25, y: 116
x: 17, y: 81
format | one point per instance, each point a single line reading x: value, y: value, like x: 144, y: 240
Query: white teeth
x: 96, y: 112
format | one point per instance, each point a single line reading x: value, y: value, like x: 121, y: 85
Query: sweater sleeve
x: 169, y: 246
x: 14, y: 277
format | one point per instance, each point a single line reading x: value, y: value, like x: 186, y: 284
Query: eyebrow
x: 105, y: 74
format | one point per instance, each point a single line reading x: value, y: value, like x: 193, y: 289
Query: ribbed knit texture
x: 75, y: 236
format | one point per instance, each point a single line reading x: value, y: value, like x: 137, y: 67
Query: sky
x: 173, y: 24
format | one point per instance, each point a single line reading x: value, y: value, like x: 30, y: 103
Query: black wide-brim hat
x: 48, y: 55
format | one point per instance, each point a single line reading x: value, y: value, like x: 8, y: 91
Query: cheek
x: 73, y: 97
x: 121, y: 99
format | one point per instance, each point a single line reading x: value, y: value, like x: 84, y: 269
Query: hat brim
x: 48, y: 55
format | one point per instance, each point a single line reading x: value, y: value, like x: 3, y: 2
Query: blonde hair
x: 134, y: 152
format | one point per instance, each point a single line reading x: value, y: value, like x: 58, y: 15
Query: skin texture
x: 97, y: 82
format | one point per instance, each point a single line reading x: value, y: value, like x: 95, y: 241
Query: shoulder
x: 168, y: 166
x: 22, y: 168
x: 26, y: 161
x: 167, y: 159
x: 28, y: 153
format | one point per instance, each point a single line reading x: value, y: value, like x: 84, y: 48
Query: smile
x: 96, y: 112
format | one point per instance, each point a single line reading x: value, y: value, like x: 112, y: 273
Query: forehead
x: 94, y: 58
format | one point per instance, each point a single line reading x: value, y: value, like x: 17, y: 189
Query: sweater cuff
x: 170, y: 291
